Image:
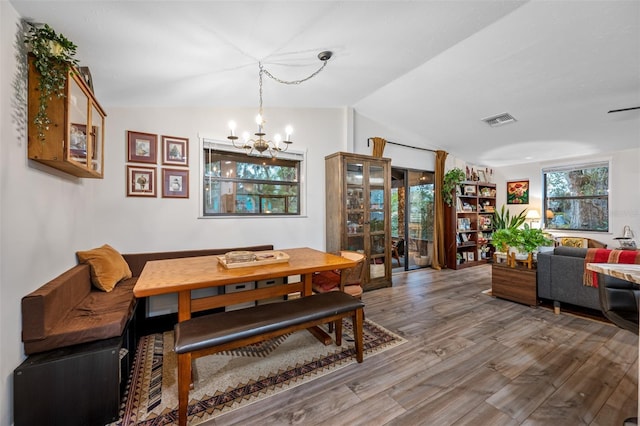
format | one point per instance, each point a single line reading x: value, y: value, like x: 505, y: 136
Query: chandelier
x: 260, y: 143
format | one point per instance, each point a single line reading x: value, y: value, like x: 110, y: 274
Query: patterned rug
x: 230, y: 380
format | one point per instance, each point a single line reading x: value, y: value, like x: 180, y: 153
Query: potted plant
x: 502, y: 219
x: 522, y: 241
x: 450, y: 180
x: 54, y: 57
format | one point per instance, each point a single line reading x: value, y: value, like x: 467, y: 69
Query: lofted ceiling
x: 430, y: 70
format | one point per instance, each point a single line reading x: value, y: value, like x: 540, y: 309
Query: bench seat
x: 222, y: 331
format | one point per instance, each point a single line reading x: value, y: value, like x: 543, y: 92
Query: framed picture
x: 175, y: 183
x: 518, y: 192
x: 175, y: 151
x: 142, y: 147
x: 482, y: 177
x: 469, y: 190
x: 141, y: 181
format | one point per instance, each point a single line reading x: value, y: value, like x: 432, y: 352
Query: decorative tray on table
x: 243, y: 259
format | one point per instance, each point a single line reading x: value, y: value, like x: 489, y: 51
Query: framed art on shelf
x: 141, y: 181
x: 518, y: 192
x: 175, y: 183
x: 142, y: 147
x: 175, y: 151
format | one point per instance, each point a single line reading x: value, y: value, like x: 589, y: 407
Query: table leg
x: 184, y: 313
x: 317, y: 332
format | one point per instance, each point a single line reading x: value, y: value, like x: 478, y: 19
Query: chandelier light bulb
x: 288, y: 130
x: 277, y: 138
x: 232, y: 127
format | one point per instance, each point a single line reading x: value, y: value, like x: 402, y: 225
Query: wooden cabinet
x: 516, y: 284
x: 358, y: 195
x: 75, y: 385
x: 74, y: 140
x: 468, y: 224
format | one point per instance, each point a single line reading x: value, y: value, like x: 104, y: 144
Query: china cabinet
x: 74, y: 140
x: 358, y: 195
x: 468, y: 224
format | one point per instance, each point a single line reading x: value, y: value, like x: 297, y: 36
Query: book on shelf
x: 464, y: 223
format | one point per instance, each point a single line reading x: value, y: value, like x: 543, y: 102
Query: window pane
x: 235, y: 184
x: 575, y: 213
x: 577, y: 199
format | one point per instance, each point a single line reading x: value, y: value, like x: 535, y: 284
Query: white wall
x: 403, y: 157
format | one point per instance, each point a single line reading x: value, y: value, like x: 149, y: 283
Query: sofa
x: 72, y: 329
x: 560, y: 278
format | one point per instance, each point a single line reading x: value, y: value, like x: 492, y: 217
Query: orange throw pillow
x: 108, y: 266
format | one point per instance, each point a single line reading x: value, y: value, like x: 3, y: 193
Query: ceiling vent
x: 499, y: 120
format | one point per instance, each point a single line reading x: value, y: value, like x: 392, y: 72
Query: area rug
x: 230, y: 380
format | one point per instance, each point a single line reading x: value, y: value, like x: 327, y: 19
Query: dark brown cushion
x: 98, y: 316
x: 45, y: 307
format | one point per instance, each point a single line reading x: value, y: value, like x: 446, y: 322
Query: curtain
x: 438, y: 260
x: 378, y: 146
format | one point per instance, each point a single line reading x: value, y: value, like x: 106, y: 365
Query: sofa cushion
x: 574, y: 242
x: 100, y: 315
x: 45, y: 307
x: 108, y: 266
x: 570, y: 251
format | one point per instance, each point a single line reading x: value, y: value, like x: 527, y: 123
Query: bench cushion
x: 223, y: 327
x: 99, y: 315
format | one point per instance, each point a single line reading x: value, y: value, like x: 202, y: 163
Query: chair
x: 347, y: 280
x: 619, y: 302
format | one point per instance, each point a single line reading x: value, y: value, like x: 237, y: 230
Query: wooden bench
x: 223, y: 331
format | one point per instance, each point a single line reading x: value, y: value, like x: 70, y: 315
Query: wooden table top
x: 622, y: 271
x: 190, y: 273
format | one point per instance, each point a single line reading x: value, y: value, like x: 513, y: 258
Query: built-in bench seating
x: 223, y: 331
x: 70, y: 330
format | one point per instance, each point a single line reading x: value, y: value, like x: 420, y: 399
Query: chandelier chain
x: 263, y: 69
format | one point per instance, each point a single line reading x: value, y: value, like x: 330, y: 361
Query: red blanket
x: 597, y: 255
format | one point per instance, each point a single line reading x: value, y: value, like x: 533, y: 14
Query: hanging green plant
x: 54, y: 57
x: 450, y: 180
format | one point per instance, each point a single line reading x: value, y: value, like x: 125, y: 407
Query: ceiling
x: 429, y: 70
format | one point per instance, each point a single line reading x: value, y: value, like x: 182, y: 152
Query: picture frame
x: 518, y: 191
x: 482, y: 177
x: 175, y: 151
x: 175, y: 183
x: 469, y: 190
x: 141, y: 181
x: 142, y: 147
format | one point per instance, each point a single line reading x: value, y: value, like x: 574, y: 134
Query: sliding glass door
x: 412, y: 197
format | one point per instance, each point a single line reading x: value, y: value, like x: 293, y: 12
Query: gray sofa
x: 560, y: 278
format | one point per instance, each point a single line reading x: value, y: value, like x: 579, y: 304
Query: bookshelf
x: 468, y: 224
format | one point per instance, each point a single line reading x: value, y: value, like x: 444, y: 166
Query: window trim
x: 226, y: 146
x: 566, y: 167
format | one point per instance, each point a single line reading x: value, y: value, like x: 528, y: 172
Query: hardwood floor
x: 470, y: 359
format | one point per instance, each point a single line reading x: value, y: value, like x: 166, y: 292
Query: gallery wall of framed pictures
x: 173, y: 174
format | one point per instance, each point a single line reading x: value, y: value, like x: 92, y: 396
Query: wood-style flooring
x: 470, y: 359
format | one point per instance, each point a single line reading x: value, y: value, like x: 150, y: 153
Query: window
x: 577, y: 197
x: 235, y: 184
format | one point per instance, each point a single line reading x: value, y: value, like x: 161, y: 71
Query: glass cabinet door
x: 78, y: 120
x: 96, y: 137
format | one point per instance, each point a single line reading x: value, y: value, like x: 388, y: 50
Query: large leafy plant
x: 450, y: 180
x: 524, y: 240
x: 54, y: 57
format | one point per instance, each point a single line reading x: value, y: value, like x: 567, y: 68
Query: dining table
x: 184, y: 275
